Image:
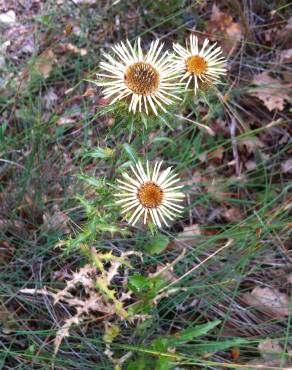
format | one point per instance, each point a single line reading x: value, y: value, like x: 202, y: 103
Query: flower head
x: 145, y: 80
x: 203, y: 65
x: 150, y: 193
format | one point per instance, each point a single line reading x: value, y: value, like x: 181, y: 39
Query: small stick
x: 230, y: 241
x: 234, y: 145
x: 206, y: 128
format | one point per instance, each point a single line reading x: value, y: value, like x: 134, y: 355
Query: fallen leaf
x: 3, y: 49
x: 250, y: 145
x: 271, y: 353
x: 287, y: 166
x: 57, y: 221
x: 250, y: 165
x: 195, y: 183
x: 15, y: 225
x: 269, y: 300
x: 89, y: 92
x: 70, y: 48
x: 7, y: 320
x: 189, y: 236
x: 269, y: 349
x: 229, y: 31
x: 44, y: 63
x: 68, y: 29
x: 235, y: 353
x: 289, y: 278
x: 2, y: 62
x: 190, y: 231
x: 265, y: 365
x: 270, y: 91
x: 233, y: 214
x: 6, y: 252
x: 84, y: 2
x: 4, y: 46
x: 7, y: 18
x: 66, y: 121
x: 50, y: 98
x: 283, y: 36
x: 216, y: 155
x: 285, y: 56
x: 167, y: 273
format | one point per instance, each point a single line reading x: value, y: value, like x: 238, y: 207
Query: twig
x: 230, y: 241
x: 206, y: 128
x: 170, y: 265
x: 234, y: 145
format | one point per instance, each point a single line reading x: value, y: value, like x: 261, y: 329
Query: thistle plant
x: 148, y: 82
x: 203, y: 65
x: 155, y: 79
x: 144, y: 80
x: 150, y: 193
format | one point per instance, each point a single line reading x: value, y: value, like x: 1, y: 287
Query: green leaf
x: 161, y: 139
x: 191, y: 333
x: 138, y: 282
x: 218, y: 346
x: 149, y: 286
x: 162, y: 343
x: 163, y: 363
x: 143, y: 326
x: 91, y: 180
x: 131, y: 152
x: 157, y: 244
x: 141, y: 363
x: 101, y: 153
x: 111, y: 332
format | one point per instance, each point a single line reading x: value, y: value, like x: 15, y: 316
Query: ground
x: 80, y: 288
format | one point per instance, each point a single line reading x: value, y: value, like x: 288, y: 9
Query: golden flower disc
x: 196, y: 65
x: 150, y: 195
x: 142, y: 78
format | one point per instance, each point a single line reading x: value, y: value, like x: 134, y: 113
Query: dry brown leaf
x: 269, y: 349
x: 68, y: 29
x: 265, y: 365
x: 84, y: 2
x: 250, y: 145
x: 57, y: 221
x: 66, y: 121
x: 271, y: 356
x: 285, y: 56
x: 89, y: 92
x: 6, y: 252
x: 216, y: 154
x: 222, y: 24
x: 44, y: 63
x: 50, y: 98
x: 195, y: 182
x: 70, y: 48
x: 189, y: 232
x: 289, y: 278
x: 233, y: 214
x: 167, y: 274
x: 8, y: 18
x: 15, y: 225
x: 287, y: 166
x: 188, y: 236
x: 269, y: 300
x: 88, y: 292
x: 250, y: 165
x: 284, y: 35
x: 7, y: 320
x: 270, y: 91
